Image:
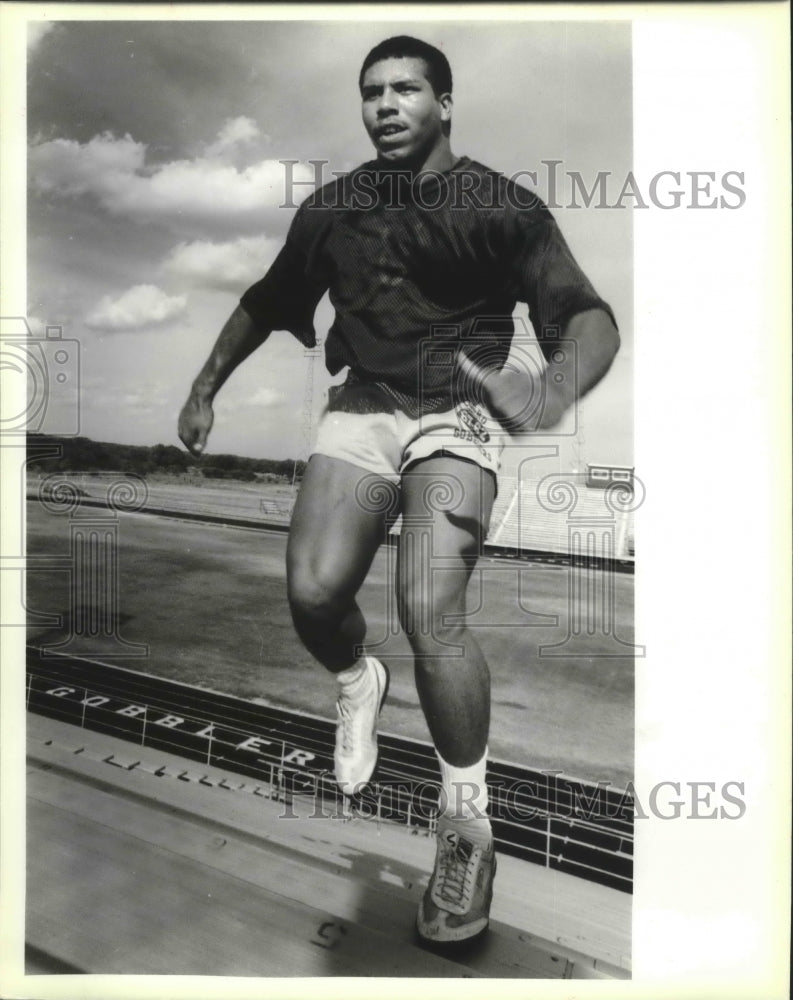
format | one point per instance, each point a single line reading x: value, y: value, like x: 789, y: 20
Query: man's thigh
x: 446, y: 507
x: 341, y: 516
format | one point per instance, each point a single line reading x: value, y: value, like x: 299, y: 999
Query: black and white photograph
x: 370, y: 511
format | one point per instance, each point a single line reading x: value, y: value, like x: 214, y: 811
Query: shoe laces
x: 457, y: 866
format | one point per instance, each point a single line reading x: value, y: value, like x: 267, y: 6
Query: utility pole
x: 307, y: 422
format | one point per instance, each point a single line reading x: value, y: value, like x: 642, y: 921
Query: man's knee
x: 431, y: 625
x: 315, y: 597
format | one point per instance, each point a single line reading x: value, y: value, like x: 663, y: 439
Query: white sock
x: 463, y: 801
x: 354, y: 680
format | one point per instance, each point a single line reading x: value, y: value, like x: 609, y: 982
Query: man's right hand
x: 195, y: 423
x: 238, y: 338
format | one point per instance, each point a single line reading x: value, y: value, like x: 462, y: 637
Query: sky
x: 156, y: 197
x: 711, y: 85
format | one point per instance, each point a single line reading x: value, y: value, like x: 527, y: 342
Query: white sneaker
x: 356, y: 728
x: 456, y: 905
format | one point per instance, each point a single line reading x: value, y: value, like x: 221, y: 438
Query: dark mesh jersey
x: 411, y: 263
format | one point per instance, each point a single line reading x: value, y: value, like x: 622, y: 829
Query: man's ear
x: 445, y: 101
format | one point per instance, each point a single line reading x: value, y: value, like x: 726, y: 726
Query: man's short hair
x: 439, y: 72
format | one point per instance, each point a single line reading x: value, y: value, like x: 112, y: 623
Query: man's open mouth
x: 388, y: 130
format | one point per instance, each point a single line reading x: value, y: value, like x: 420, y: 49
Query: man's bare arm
x: 238, y: 339
x: 515, y: 400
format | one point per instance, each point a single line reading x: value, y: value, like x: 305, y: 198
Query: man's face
x: 401, y: 113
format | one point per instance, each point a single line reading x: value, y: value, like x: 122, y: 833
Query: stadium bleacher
x: 550, y: 516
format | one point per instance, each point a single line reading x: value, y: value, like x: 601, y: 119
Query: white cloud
x: 102, y: 166
x: 266, y: 397
x: 235, y: 132
x: 139, y: 308
x: 149, y: 397
x: 205, y: 189
x: 36, y: 31
x: 261, y: 397
x: 231, y: 266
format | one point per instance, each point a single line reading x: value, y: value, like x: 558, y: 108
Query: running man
x: 425, y: 255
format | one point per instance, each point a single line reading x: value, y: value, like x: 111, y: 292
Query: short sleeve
x: 547, y: 275
x: 287, y: 296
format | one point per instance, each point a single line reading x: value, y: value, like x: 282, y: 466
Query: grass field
x: 208, y: 602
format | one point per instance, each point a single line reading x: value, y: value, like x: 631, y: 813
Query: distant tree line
x: 80, y: 454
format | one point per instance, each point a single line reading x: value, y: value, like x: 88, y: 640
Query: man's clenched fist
x: 521, y: 403
x: 195, y: 423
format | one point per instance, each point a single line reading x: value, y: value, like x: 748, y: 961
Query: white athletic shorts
x: 388, y: 443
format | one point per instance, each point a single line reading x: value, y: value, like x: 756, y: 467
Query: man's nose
x: 387, y: 103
